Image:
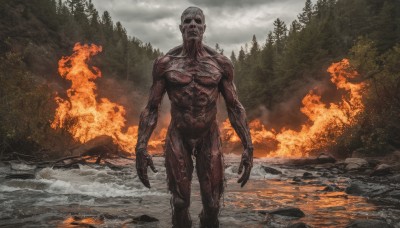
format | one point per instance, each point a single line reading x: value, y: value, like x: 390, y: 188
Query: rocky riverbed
x: 281, y: 193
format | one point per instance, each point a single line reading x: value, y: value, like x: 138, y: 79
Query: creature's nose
x: 192, y: 24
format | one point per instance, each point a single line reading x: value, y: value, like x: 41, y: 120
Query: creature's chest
x: 182, y: 73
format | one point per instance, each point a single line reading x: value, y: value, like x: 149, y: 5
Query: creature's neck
x: 193, y: 48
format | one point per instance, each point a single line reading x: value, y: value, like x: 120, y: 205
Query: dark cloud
x: 143, y: 14
x: 230, y: 3
x: 231, y: 23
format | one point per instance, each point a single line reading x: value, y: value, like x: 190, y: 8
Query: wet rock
x: 299, y: 225
x: 288, y: 211
x: 296, y: 179
x: 373, y: 162
x: 327, y: 175
x: 101, y: 145
x: 369, y: 224
x: 23, y: 176
x: 321, y: 159
x: 325, y: 158
x: 142, y: 219
x: 271, y: 170
x: 308, y: 175
x: 324, y: 167
x: 332, y: 188
x: 366, y: 189
x: 355, y: 163
x: 382, y: 170
x: 392, y: 157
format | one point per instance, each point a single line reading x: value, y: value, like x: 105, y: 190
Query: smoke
x: 287, y: 114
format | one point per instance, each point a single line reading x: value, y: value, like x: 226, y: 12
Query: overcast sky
x: 230, y: 23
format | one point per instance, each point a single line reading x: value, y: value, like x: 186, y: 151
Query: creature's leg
x: 179, y: 167
x: 210, y: 170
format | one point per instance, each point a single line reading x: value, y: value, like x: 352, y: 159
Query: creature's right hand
x: 143, y: 160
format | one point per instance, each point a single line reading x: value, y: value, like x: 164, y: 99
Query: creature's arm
x: 148, y: 121
x: 237, y: 117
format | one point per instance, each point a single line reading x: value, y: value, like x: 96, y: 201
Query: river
x: 99, y: 196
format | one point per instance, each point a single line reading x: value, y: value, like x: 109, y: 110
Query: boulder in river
x: 369, y: 223
x: 382, y: 170
x: 308, y: 175
x: 367, y: 189
x: 142, y: 219
x: 271, y: 170
x: 288, y: 211
x: 355, y: 163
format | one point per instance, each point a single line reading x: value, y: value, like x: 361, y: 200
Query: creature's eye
x: 198, y: 21
x: 186, y: 21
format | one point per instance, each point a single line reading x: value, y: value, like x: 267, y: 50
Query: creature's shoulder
x: 225, y: 63
x: 175, y: 51
x: 160, y: 65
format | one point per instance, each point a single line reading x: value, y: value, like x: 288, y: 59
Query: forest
x: 271, y: 78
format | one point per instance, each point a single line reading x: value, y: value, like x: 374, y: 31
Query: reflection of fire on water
x: 326, y: 122
x: 80, y: 222
x: 86, y: 117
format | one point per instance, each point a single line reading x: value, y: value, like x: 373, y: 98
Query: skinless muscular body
x: 193, y: 75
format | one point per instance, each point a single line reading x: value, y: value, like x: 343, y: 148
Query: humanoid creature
x: 193, y: 75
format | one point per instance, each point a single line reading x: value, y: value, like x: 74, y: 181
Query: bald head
x: 193, y: 11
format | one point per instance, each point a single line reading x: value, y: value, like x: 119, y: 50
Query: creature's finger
x: 142, y: 173
x: 246, y: 176
x: 242, y: 177
x: 151, y: 164
x: 240, y: 167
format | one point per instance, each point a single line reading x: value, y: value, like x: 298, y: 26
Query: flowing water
x: 100, y: 196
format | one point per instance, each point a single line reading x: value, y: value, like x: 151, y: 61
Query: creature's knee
x: 179, y: 203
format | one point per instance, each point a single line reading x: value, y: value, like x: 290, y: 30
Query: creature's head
x: 192, y: 24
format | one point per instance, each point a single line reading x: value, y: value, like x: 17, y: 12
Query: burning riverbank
x: 86, y: 116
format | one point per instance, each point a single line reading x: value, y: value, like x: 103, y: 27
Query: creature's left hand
x: 247, y: 163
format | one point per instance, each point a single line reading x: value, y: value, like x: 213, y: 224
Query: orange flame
x: 83, y: 114
x: 86, y: 116
x: 326, y: 122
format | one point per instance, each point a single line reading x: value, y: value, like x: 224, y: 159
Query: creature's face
x: 192, y: 25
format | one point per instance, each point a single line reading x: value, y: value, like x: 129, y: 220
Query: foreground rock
x: 299, y: 225
x: 367, y: 189
x: 321, y: 159
x: 271, y: 170
x: 382, y: 170
x: 369, y: 224
x: 98, y: 146
x: 142, y: 219
x: 355, y: 163
x: 288, y: 211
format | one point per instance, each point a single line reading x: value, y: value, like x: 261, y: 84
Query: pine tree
x: 305, y: 16
x: 279, y: 35
x: 233, y: 58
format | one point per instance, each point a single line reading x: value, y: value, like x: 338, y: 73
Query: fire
x: 325, y: 124
x: 85, y: 115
